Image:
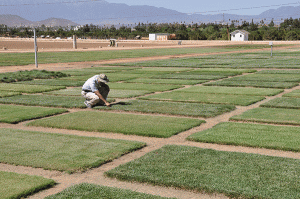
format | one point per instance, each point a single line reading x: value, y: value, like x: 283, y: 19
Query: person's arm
x: 102, y: 98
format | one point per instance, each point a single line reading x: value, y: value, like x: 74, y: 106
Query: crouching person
x: 95, y: 90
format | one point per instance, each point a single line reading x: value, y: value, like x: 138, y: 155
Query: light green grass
x: 144, y: 125
x: 92, y: 191
x: 54, y: 82
x: 268, y: 78
x: 28, y: 88
x: 283, y: 102
x: 190, y: 76
x: 47, y: 100
x: 60, y: 152
x: 295, y: 93
x: 148, y: 87
x: 177, y: 96
x: 279, y: 72
x: 237, y: 175
x: 259, y: 84
x: 270, y: 115
x: 166, y: 81
x: 172, y: 108
x: 232, y: 90
x: 13, y: 185
x: 14, y: 114
x: 251, y: 135
x: 8, y: 93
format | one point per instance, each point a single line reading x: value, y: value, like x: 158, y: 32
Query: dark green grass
x: 166, y: 81
x: 270, y: 115
x: 60, y: 152
x: 143, y: 125
x: 177, y: 96
x: 268, y: 78
x: 148, y: 87
x: 55, y: 82
x: 172, y: 108
x: 237, y: 175
x: 283, y: 102
x: 29, y: 75
x: 28, y: 88
x: 15, y: 114
x: 13, y: 185
x: 8, y: 93
x: 295, y: 93
x: 46, y: 100
x: 232, y: 90
x: 92, y: 191
x: 258, y: 84
x: 251, y: 135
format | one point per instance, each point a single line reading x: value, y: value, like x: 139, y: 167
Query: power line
x: 51, y: 3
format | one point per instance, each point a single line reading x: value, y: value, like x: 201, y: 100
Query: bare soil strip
x: 97, y: 175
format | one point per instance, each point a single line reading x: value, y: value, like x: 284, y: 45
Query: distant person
x: 95, y: 90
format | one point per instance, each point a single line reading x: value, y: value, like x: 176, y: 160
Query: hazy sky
x: 217, y: 6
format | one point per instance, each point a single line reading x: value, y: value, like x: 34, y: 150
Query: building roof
x: 244, y: 32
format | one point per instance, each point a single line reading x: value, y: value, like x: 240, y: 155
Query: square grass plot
x: 144, y: 125
x: 270, y: 115
x: 283, y: 102
x: 23, y: 88
x: 8, y: 93
x: 253, y: 135
x: 295, y: 93
x: 93, y: 191
x: 13, y: 185
x: 60, y: 152
x: 14, y: 114
x: 237, y: 175
x: 138, y: 86
x: 166, y: 81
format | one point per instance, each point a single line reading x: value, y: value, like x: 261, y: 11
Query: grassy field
x: 28, y: 88
x: 143, y: 125
x: 237, y: 175
x: 92, y: 191
x: 60, y: 152
x: 14, y: 114
x: 283, y: 102
x: 13, y: 185
x: 148, y: 87
x: 270, y: 115
x: 268, y: 78
x: 177, y: 96
x: 166, y: 81
x: 295, y: 93
x: 252, y: 135
x: 172, y: 108
x: 8, y: 93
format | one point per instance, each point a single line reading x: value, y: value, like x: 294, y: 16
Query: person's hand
x: 107, y: 104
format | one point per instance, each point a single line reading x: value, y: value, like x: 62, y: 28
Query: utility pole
x: 35, y: 49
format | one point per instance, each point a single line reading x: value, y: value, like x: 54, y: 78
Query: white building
x: 239, y: 35
x: 159, y: 36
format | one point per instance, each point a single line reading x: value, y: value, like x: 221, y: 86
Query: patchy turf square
x: 166, y: 81
x: 14, y: 114
x: 295, y: 93
x: 283, y: 102
x: 8, y: 93
x: 237, y: 175
x: 147, y: 87
x: 13, y: 185
x: 177, y: 96
x: 92, y: 191
x: 143, y: 125
x: 253, y: 135
x: 270, y: 115
x: 23, y: 88
x: 172, y: 108
x: 68, y: 153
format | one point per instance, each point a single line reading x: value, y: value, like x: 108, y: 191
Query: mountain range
x: 100, y: 12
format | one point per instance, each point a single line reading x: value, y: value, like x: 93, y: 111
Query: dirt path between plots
x: 97, y: 175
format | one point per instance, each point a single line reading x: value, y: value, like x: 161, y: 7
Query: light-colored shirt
x: 91, y: 84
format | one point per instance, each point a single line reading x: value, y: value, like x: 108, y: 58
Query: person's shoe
x: 88, y: 105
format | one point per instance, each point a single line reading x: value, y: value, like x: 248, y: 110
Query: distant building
x: 239, y: 35
x: 159, y: 36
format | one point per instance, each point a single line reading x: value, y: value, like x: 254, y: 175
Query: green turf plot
x: 94, y: 70
x: 232, y: 90
x: 28, y: 88
x: 237, y: 175
x: 190, y: 76
x: 295, y: 93
x: 160, y: 69
x: 172, y: 108
x: 60, y: 152
x: 258, y: 84
x: 268, y: 78
x: 283, y: 102
x: 13, y: 185
x: 177, y: 96
x: 148, y: 87
x: 144, y: 125
x: 54, y: 82
x: 8, y: 93
x: 15, y: 114
x: 253, y: 135
x: 270, y: 115
x: 166, y: 81
x: 92, y: 191
x: 279, y: 72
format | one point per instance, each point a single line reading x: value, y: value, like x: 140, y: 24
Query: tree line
x: 289, y: 29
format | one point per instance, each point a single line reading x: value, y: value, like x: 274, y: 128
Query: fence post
x: 74, y: 42
x: 35, y: 49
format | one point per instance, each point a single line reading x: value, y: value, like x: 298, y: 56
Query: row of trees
x: 287, y: 30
